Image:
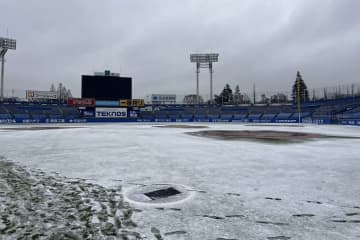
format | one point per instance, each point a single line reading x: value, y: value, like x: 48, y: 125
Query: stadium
x: 344, y: 110
x: 122, y: 169
x: 111, y: 164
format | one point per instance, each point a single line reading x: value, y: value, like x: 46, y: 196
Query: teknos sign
x: 111, y: 112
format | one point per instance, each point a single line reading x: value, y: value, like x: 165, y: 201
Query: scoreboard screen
x: 106, y: 87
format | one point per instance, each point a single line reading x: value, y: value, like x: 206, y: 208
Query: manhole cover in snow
x: 162, y: 193
x: 158, y: 194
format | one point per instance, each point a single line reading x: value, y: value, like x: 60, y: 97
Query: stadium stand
x: 174, y: 114
x: 68, y: 112
x: 200, y: 113
x: 268, y: 116
x: 4, y: 114
x: 343, y: 111
x: 284, y: 115
x: 351, y: 113
x: 146, y: 115
x: 240, y: 116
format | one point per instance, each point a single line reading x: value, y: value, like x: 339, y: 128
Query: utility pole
x: 254, y: 93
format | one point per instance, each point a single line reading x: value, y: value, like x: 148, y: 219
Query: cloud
x: 261, y: 42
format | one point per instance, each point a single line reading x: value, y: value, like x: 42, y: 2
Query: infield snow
x: 242, y: 189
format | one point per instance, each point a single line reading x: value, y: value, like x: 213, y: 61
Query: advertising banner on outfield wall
x: 131, y: 103
x: 33, y: 94
x: 111, y: 112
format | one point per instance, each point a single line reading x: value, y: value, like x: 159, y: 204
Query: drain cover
x: 162, y: 193
x: 158, y: 194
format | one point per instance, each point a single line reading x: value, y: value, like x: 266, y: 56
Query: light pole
x: 204, y: 60
x: 5, y: 44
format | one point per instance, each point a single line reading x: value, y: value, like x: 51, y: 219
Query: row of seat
x: 334, y: 110
x: 223, y: 116
x: 9, y: 111
x: 351, y: 113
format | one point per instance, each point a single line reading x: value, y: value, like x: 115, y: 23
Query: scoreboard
x: 106, y: 87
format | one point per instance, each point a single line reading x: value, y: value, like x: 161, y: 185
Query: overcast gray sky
x: 263, y: 42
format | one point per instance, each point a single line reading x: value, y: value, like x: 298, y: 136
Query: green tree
x: 279, y: 98
x: 264, y: 99
x: 237, y: 95
x: 300, y: 86
x: 225, y: 97
x: 52, y: 88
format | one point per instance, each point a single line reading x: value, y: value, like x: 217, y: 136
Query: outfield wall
x: 184, y: 120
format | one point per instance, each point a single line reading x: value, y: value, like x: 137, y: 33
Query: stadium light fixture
x: 204, y: 60
x: 5, y: 44
x: 204, y: 57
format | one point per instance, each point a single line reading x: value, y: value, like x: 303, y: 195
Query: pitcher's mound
x: 180, y: 126
x: 258, y: 135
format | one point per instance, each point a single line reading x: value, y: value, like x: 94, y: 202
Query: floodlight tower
x: 204, y: 60
x: 5, y: 44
